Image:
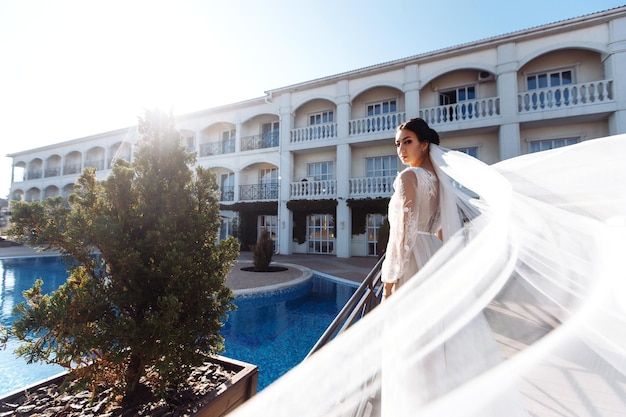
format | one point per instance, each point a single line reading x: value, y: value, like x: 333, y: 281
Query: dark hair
x: 421, y: 129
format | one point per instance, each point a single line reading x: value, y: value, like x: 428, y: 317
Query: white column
x: 614, y: 69
x: 343, y: 224
x: 286, y: 161
x: 509, y: 135
x: 343, y: 109
x: 411, y: 91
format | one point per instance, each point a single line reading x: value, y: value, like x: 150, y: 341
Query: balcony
x: 217, y: 148
x: 33, y: 174
x: 371, y: 187
x: 315, y: 132
x: 258, y: 192
x: 71, y: 169
x: 462, y: 112
x: 374, y: 124
x: 266, y: 140
x: 52, y: 172
x: 98, y: 164
x: 565, y: 96
x: 313, y: 189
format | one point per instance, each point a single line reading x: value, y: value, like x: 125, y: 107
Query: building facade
x: 314, y: 162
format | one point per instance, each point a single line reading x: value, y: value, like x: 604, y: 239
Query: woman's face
x: 410, y: 150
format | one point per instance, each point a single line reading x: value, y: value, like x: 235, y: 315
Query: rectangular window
x: 457, y: 95
x: 373, y: 224
x: 544, y: 145
x: 549, y: 79
x: 381, y: 166
x: 269, y: 134
x: 190, y: 144
x: 321, y: 171
x: 226, y: 228
x: 382, y: 107
x: 269, y: 183
x: 228, y: 141
x: 321, y: 118
x: 227, y: 187
x: 471, y: 151
x: 321, y: 233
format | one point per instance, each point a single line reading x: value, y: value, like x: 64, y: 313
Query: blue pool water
x: 273, y: 330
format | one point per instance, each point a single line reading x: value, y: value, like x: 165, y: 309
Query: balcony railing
x: 374, y: 124
x: 52, y: 172
x: 98, y: 164
x: 313, y: 189
x: 371, y: 186
x: 462, y: 112
x: 266, y: 140
x: 227, y: 193
x: 315, y: 132
x: 69, y: 169
x: 565, y: 96
x: 217, y: 148
x: 258, y: 192
x: 33, y: 174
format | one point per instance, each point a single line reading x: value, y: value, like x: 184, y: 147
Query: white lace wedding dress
x: 413, y: 222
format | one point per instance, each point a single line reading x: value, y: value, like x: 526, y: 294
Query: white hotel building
x: 314, y: 162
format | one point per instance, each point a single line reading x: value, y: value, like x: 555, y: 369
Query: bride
x: 529, y: 269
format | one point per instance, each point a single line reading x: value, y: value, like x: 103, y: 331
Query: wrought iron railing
x: 266, y: 140
x: 364, y: 300
x: 258, y: 192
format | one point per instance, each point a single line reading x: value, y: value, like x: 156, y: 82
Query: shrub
x: 262, y: 251
x: 146, y: 296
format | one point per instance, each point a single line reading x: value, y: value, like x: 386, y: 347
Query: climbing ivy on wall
x: 361, y: 208
x: 248, y: 215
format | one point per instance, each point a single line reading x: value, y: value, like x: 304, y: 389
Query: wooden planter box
x: 225, y: 398
x: 228, y: 396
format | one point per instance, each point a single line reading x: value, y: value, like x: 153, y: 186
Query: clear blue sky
x: 70, y: 69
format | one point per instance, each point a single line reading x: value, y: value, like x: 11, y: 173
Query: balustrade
x: 572, y: 95
x: 371, y: 186
x: 462, y: 111
x: 315, y: 132
x: 374, y: 124
x: 313, y: 189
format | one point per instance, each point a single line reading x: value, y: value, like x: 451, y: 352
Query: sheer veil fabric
x: 521, y: 312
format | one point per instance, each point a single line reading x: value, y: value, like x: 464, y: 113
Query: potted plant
x: 145, y: 299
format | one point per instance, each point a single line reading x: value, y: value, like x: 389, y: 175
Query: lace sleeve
x: 402, y: 219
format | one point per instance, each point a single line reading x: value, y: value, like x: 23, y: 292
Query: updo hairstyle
x: 421, y: 129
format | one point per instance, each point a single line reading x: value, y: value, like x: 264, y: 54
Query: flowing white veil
x: 521, y: 312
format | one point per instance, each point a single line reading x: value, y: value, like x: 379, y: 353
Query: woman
x: 413, y: 208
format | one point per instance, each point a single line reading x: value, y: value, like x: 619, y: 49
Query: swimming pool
x: 273, y: 330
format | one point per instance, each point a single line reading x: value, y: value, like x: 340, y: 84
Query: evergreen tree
x: 146, y: 294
